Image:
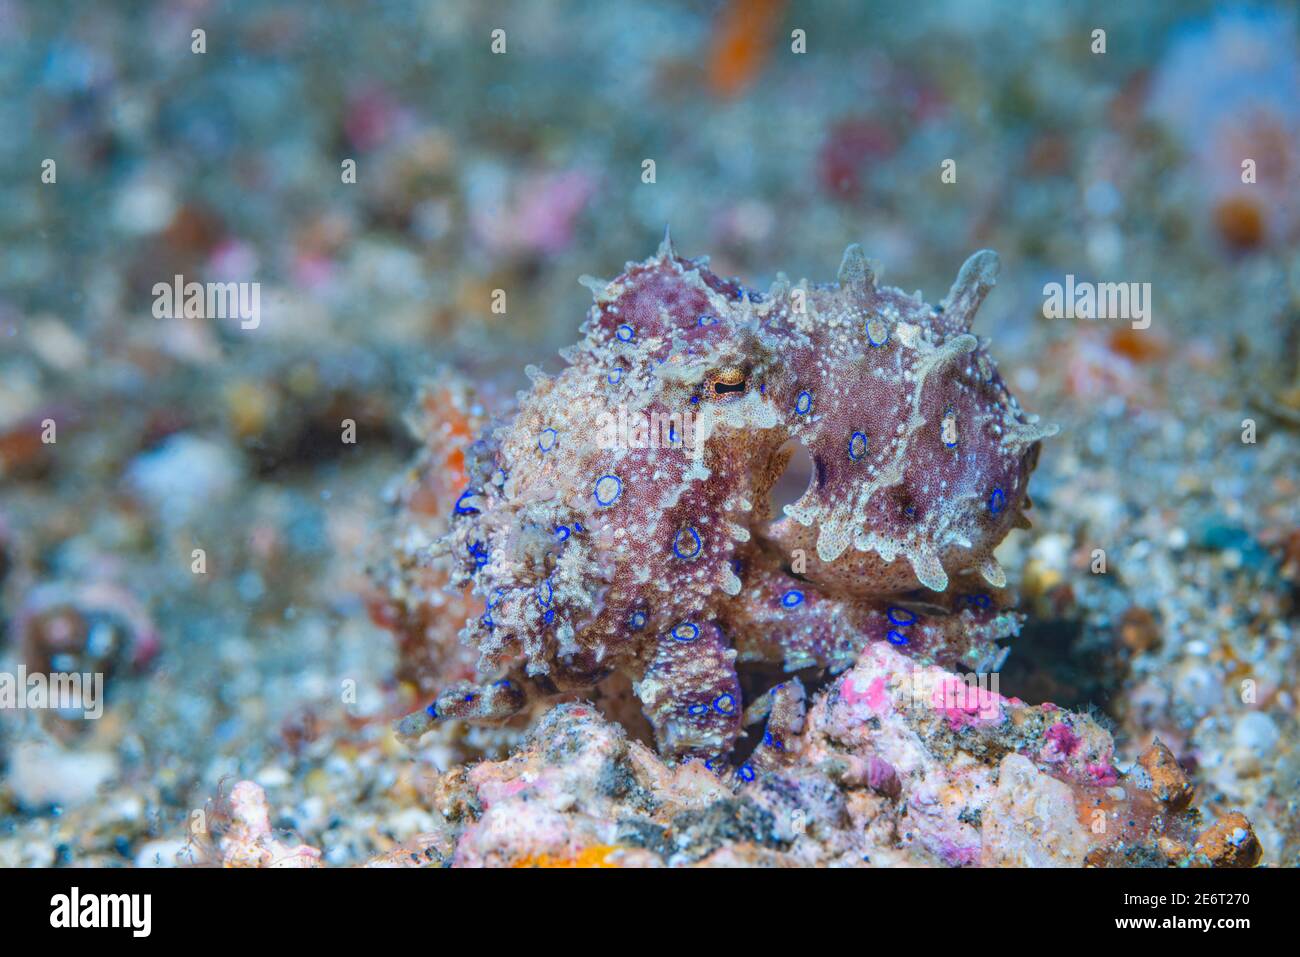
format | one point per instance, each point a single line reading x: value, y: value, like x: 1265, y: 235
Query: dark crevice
x: 1061, y: 662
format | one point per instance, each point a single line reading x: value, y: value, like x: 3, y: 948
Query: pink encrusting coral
x: 619, y: 519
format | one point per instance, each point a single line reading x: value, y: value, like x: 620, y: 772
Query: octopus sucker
x: 608, y: 543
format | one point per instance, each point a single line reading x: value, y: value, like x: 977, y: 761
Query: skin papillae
x: 621, y: 520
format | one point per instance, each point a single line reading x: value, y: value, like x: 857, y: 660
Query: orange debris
x: 742, y: 40
x: 594, y: 856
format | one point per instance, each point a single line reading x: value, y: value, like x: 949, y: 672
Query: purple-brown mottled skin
x: 664, y: 562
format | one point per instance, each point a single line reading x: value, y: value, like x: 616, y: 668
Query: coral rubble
x: 896, y: 765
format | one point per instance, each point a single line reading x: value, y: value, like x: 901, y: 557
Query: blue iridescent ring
x: 686, y: 631
x: 695, y: 548
x: 608, y: 489
x: 894, y: 618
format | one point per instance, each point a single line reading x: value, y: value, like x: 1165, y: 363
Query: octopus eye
x: 726, y: 380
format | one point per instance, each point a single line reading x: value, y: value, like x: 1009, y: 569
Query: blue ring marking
x: 577, y: 526
x: 682, y: 635
x: 550, y: 594
x: 563, y: 532
x: 853, y: 444
x: 762, y: 388
x: 707, y: 320
x: 616, y: 376
x: 699, y: 545
x: 463, y: 510
x: 803, y: 404
x: 695, y: 400
x: 549, y: 616
x: 870, y: 339
x: 731, y: 704
x: 896, y: 638
x: 432, y: 710
x: 745, y: 772
x: 997, y: 502
x: 909, y: 620
x: 630, y: 333
x: 486, y: 620
x: 698, y: 709
x: 503, y: 683
x: 792, y: 599
x: 478, y: 551
x: 504, y: 475
x: 609, y: 498
x: 548, y: 445
x: 496, y: 598
x: 637, y: 620
x: 710, y: 763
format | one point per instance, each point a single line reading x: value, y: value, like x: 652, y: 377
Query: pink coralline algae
x: 619, y: 518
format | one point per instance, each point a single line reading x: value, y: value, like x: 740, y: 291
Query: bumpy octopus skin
x: 594, y: 554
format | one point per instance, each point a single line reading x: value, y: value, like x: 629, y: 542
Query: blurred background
x: 779, y: 133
